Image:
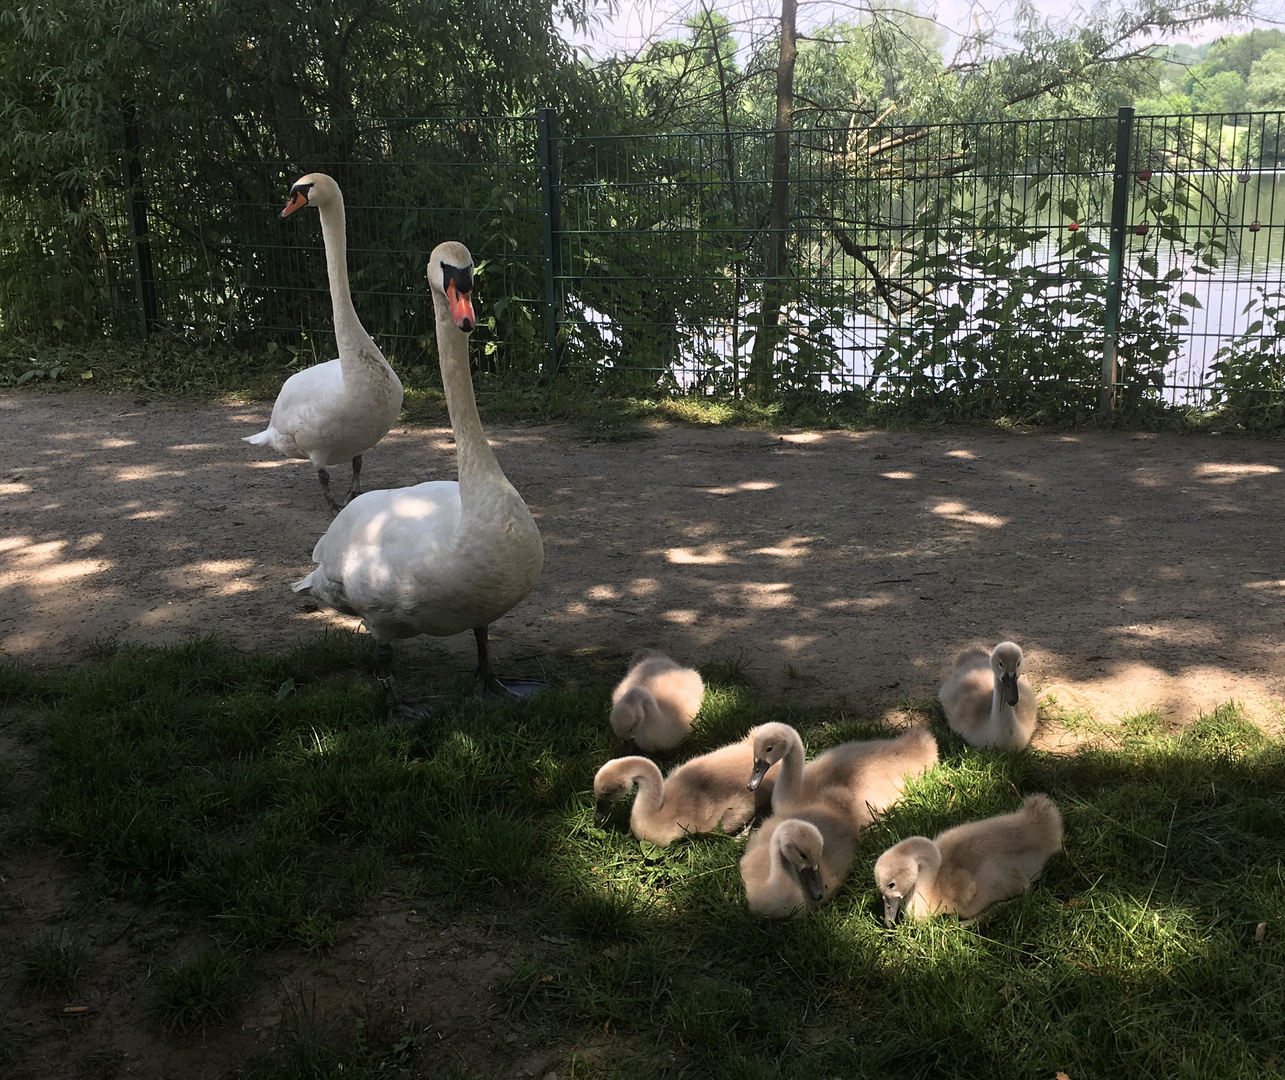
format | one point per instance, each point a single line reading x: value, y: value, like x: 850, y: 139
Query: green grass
x: 53, y: 962
x: 198, y: 993
x: 186, y: 777
x: 173, y: 367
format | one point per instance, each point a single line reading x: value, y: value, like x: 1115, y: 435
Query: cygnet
x: 655, y: 703
x: 858, y: 779
x: 972, y: 867
x: 792, y: 864
x: 701, y: 795
x: 988, y: 701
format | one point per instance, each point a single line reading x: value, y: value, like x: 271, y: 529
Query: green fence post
x: 546, y: 121
x: 136, y: 212
x: 1115, y: 256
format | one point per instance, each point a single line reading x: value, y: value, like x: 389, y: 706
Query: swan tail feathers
x: 263, y: 438
x: 303, y: 585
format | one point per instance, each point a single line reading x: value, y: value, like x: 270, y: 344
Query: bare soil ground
x: 1137, y: 571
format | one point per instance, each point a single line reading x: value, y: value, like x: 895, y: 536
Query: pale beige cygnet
x: 701, y: 795
x: 987, y: 700
x: 857, y: 779
x: 655, y: 703
x: 792, y: 864
x: 972, y: 867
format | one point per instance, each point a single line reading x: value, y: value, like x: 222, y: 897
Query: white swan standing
x: 336, y: 411
x: 442, y: 557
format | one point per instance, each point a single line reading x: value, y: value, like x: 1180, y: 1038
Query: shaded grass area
x: 598, y: 407
x: 261, y: 790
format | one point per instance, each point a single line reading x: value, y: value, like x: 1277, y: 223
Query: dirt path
x: 1137, y: 570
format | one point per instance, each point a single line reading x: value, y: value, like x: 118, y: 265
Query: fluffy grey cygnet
x: 655, y: 703
x: 972, y: 867
x: 988, y: 701
x: 856, y: 779
x: 793, y: 864
x: 699, y: 796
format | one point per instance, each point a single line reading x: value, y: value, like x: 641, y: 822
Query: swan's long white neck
x: 350, y: 335
x: 476, y: 461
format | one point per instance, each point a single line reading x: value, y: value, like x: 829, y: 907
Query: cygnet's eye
x: 892, y: 884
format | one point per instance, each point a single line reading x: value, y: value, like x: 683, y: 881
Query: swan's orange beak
x: 461, y: 306
x: 297, y: 199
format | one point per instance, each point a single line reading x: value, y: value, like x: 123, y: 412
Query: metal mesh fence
x: 985, y: 262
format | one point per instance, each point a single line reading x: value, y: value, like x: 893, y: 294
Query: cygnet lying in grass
x: 971, y: 867
x: 857, y: 779
x: 698, y: 797
x: 987, y: 700
x: 655, y: 703
x: 792, y: 864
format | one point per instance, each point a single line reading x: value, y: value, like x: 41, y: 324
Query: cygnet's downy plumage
x: 856, y: 779
x: 988, y: 701
x: 972, y: 867
x: 655, y: 703
x: 792, y: 864
x: 701, y: 795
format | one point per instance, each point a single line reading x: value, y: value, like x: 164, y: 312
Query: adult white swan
x: 441, y: 557
x: 336, y: 411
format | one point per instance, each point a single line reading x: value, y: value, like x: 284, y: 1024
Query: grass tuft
x: 199, y: 993
x: 53, y: 962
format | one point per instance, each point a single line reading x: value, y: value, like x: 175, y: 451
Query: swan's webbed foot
x: 397, y: 711
x: 324, y: 477
x: 491, y: 687
x: 405, y: 713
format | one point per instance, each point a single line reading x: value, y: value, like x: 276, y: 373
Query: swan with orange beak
x: 442, y: 557
x: 336, y: 411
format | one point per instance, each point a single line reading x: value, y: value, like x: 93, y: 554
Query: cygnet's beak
x: 297, y: 199
x: 1008, y: 683
x: 760, y: 770
x: 600, y: 811
x: 811, y: 878
x: 891, y: 905
x: 461, y: 305
x: 628, y: 748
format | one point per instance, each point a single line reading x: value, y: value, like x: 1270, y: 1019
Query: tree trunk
x: 768, y: 335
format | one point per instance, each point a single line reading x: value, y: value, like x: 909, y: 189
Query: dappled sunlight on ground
x: 1137, y: 571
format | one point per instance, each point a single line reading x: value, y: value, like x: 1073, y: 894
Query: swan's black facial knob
x: 298, y: 198
x: 457, y: 284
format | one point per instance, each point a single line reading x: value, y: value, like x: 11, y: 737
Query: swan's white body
x: 336, y: 411
x: 329, y: 416
x: 441, y: 557
x: 975, y: 698
x: 972, y: 867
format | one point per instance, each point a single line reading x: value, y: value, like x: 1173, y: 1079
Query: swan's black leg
x: 324, y: 477
x: 354, y: 489
x: 491, y: 686
x: 396, y: 711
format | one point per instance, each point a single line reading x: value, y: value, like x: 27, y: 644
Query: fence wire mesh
x: 948, y: 261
